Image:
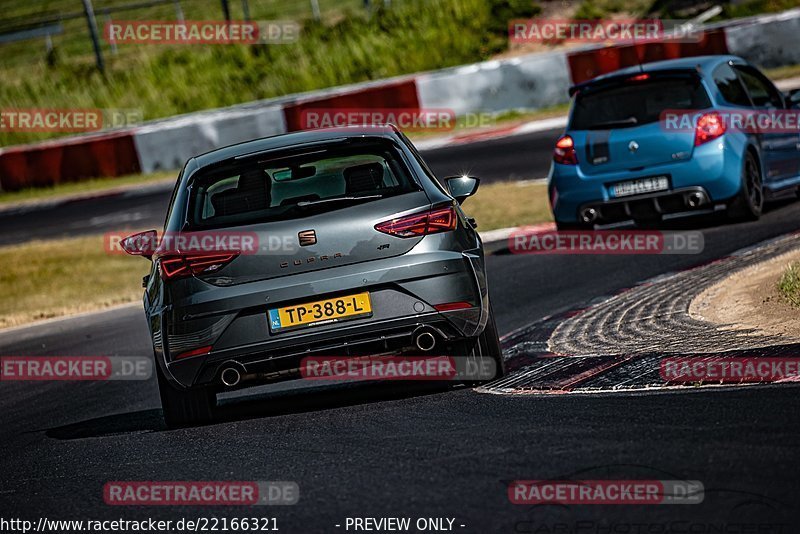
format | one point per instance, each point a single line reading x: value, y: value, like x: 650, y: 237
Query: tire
x: 187, y: 407
x: 749, y: 202
x: 487, y: 345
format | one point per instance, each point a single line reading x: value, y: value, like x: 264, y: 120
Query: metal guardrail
x: 32, y: 33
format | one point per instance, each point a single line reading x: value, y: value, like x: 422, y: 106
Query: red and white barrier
x: 68, y: 160
x: 168, y: 144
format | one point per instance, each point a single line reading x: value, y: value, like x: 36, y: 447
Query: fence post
x: 90, y: 20
x: 178, y: 11
x: 226, y: 10
x: 112, y: 42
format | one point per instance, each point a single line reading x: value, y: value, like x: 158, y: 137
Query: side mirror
x: 461, y: 187
x: 793, y: 98
x: 141, y: 244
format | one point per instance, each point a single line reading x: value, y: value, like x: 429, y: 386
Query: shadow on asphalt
x: 712, y: 220
x: 268, y: 404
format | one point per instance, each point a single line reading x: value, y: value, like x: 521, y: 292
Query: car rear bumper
x: 271, y: 363
x: 404, y: 291
x: 714, y: 171
x: 662, y: 205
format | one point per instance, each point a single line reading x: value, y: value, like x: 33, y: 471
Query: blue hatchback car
x: 619, y: 163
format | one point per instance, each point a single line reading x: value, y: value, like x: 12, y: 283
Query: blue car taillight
x: 709, y: 127
x: 564, y: 152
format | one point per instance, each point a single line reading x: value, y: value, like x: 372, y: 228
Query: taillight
x: 419, y: 224
x: 450, y: 306
x: 565, y: 151
x: 196, y: 352
x: 174, y: 266
x: 709, y: 127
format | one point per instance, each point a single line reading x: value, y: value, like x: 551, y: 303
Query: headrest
x: 363, y: 178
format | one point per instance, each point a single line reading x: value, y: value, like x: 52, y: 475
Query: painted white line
x: 788, y: 84
x: 624, y: 391
x: 501, y: 234
x: 542, y: 125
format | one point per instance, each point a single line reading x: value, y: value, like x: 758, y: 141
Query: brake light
x: 640, y: 78
x: 450, y: 306
x: 564, y: 152
x: 174, y: 266
x: 709, y: 127
x: 432, y: 222
x: 196, y: 352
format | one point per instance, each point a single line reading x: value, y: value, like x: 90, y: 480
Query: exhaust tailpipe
x: 424, y: 340
x: 231, y: 374
x: 589, y: 215
x: 695, y: 199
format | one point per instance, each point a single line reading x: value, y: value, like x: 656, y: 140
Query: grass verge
x: 782, y: 73
x: 508, y: 204
x: 45, y: 279
x: 395, y: 38
x: 789, y: 284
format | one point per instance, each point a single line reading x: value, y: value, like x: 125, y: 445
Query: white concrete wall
x: 768, y: 41
x: 525, y: 82
x: 168, y: 144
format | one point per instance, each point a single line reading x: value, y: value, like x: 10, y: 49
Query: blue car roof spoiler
x: 615, y: 79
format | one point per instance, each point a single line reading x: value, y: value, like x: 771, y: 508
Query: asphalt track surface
x: 391, y: 450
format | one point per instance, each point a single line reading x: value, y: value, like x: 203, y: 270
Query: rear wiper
x: 305, y: 203
x: 610, y: 124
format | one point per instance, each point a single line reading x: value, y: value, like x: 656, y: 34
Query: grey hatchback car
x: 337, y: 242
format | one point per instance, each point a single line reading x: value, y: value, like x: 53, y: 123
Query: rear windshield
x: 634, y: 103
x: 295, y: 185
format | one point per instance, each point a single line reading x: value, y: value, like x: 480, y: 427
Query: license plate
x: 320, y: 312
x: 642, y: 185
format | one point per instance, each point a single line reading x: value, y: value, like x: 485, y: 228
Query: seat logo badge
x: 307, y: 237
x: 633, y: 146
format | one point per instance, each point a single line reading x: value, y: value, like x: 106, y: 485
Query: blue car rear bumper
x: 713, y: 169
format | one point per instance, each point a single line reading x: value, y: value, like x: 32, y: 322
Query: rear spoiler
x: 603, y: 82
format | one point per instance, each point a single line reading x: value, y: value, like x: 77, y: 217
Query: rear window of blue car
x: 630, y: 103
